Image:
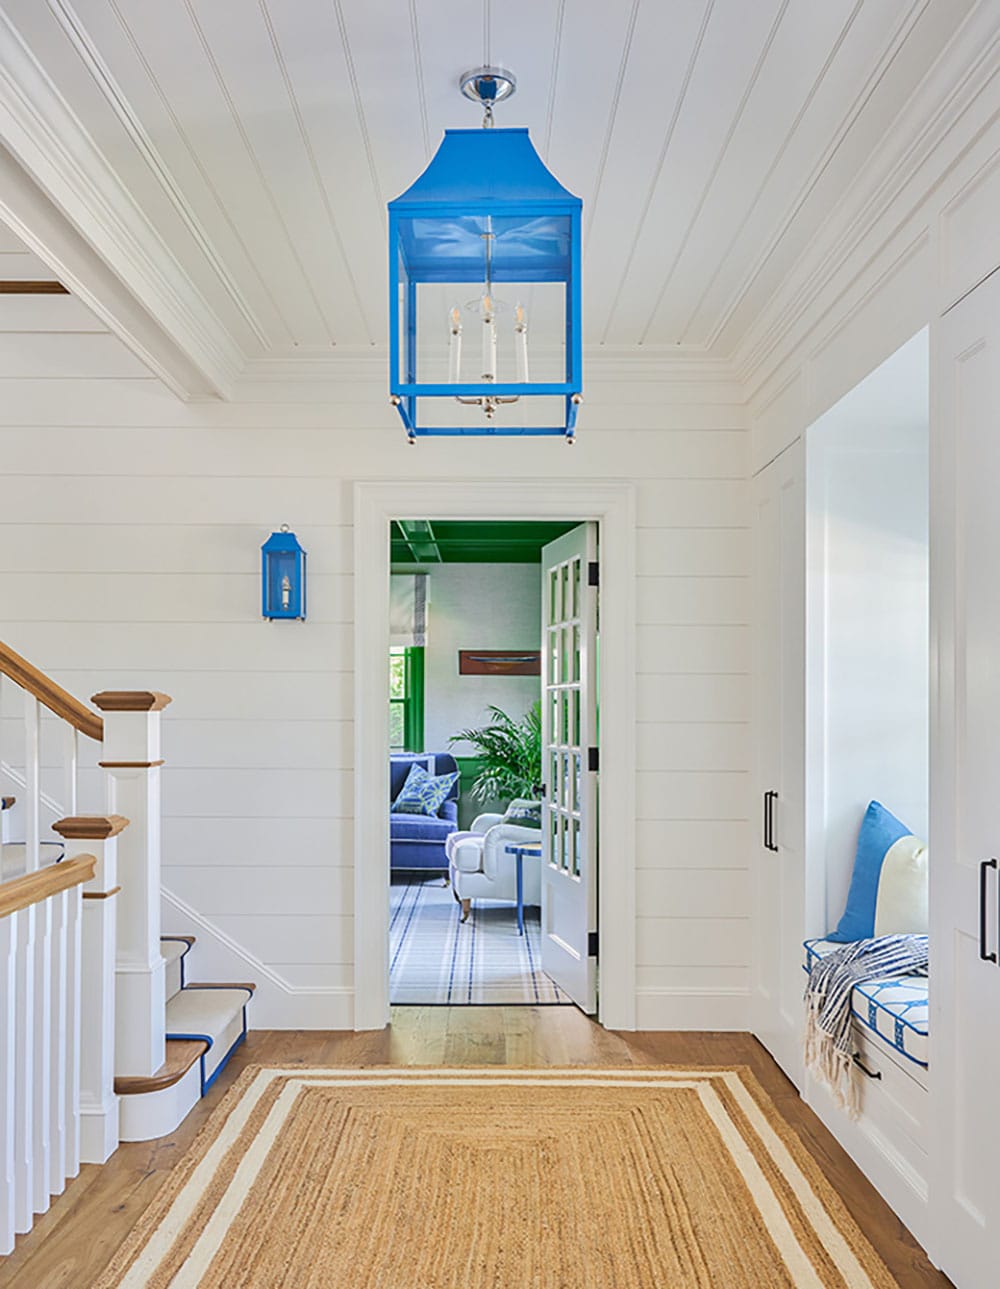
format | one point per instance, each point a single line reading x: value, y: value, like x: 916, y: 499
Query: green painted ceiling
x: 450, y: 541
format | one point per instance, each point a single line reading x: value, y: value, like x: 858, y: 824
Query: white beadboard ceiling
x: 254, y: 143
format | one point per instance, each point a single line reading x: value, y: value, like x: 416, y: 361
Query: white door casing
x: 569, y: 731
x: 965, y: 771
x: 612, y: 505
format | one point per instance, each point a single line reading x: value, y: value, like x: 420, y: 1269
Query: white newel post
x: 97, y: 835
x: 131, y: 756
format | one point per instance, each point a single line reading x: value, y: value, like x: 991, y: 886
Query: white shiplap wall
x: 130, y: 527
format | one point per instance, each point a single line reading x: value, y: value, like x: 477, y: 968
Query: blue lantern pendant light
x: 483, y: 244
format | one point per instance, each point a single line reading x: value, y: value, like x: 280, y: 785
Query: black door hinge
x: 593, y: 758
x: 593, y: 573
x: 592, y: 941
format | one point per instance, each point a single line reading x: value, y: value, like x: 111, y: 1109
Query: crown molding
x: 936, y: 108
x: 54, y: 148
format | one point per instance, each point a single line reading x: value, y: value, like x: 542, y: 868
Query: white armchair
x: 480, y: 866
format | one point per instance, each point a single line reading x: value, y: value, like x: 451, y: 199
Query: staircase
x: 103, y: 1037
x: 205, y: 1025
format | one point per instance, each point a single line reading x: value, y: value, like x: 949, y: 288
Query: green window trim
x: 411, y: 700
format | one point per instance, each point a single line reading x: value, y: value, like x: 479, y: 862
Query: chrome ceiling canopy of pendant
x: 482, y: 246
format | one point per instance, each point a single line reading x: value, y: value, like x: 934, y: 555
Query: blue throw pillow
x: 880, y: 830
x: 423, y: 793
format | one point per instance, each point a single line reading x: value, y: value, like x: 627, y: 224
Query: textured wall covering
x: 131, y: 530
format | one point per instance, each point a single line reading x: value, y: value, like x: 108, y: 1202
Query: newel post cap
x: 90, y: 827
x: 130, y: 700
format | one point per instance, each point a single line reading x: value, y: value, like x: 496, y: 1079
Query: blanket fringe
x: 828, y: 1063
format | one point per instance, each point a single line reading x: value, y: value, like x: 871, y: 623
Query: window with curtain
x: 407, y: 637
x: 406, y: 698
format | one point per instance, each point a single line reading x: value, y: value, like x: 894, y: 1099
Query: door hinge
x: 593, y: 758
x: 593, y: 573
x: 592, y: 942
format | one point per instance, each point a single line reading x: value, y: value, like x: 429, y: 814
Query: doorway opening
x: 492, y: 781
x: 610, y: 504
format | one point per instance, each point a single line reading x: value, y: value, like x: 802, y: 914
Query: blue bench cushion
x: 407, y: 827
x: 894, y: 1010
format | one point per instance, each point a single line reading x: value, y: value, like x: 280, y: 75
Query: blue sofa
x: 417, y: 841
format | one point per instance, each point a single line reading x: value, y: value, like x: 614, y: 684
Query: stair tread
x: 181, y: 1054
x: 205, y: 1010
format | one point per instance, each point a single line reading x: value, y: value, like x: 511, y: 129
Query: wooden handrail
x: 32, y: 888
x: 51, y: 695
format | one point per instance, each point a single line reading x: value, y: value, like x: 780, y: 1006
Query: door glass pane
x: 575, y: 740
x: 576, y: 654
x: 553, y: 836
x: 554, y: 614
x: 576, y: 588
x: 576, y: 780
x: 564, y: 720
x: 575, y: 847
x: 554, y: 653
x: 567, y: 599
x: 563, y: 845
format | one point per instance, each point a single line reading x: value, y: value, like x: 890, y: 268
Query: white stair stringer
x: 277, y: 1004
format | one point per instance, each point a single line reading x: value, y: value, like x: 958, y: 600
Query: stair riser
x: 156, y: 1114
x: 174, y: 978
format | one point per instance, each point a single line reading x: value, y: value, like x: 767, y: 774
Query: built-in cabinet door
x: 777, y: 810
x: 965, y: 788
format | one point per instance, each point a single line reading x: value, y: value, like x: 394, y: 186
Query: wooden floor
x: 75, y: 1240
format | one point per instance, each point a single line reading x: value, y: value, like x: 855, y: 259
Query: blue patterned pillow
x: 423, y: 793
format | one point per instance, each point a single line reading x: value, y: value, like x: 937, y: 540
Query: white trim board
x: 613, y: 506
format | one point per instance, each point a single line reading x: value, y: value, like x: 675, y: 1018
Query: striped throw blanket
x: 828, y: 1044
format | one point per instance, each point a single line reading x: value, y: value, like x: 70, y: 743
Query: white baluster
x: 24, y: 1072
x: 71, y: 1089
x: 42, y: 1021
x: 32, y: 783
x: 57, y: 1045
x: 70, y: 768
x: 8, y: 1067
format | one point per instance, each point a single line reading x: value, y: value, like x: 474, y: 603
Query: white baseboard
x: 695, y: 1009
x: 98, y: 1131
x: 276, y: 1004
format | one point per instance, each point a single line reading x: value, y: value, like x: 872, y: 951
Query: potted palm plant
x: 510, y: 754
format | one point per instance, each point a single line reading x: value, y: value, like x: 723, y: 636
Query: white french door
x: 569, y: 765
x: 965, y: 772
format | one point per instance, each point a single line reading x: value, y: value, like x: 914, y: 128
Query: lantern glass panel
x: 283, y: 600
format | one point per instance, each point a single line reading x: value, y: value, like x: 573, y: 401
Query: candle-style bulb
x: 486, y: 308
x: 286, y: 592
x: 454, y: 345
x: 521, y: 342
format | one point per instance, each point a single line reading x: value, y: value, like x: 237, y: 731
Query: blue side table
x: 534, y: 849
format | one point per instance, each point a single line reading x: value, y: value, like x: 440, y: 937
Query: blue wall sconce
x: 283, y: 576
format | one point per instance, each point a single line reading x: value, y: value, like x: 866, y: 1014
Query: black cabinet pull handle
x: 983, y: 867
x: 871, y: 1074
x: 769, y: 799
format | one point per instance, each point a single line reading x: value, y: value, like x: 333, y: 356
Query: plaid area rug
x: 435, y: 959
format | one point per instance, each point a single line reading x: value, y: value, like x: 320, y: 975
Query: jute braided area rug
x: 658, y: 1178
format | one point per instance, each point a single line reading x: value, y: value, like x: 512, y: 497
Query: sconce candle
x: 283, y: 576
